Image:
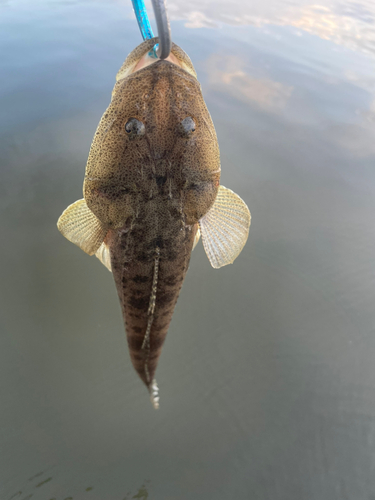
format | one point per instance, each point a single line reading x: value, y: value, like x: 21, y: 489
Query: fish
x: 151, y: 190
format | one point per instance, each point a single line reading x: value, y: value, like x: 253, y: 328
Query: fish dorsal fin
x: 80, y: 226
x: 104, y: 256
x: 225, y: 228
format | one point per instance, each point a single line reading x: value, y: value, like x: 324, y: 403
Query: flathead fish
x: 151, y: 189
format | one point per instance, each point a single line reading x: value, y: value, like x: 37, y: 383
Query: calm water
x: 267, y: 376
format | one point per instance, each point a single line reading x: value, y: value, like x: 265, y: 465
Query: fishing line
x: 163, y: 49
x: 142, y: 19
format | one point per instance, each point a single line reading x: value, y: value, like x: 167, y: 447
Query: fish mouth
x: 139, y: 59
x: 147, y: 60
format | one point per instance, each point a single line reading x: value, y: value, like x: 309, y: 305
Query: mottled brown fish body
x: 148, y: 279
x: 152, y: 178
x: 151, y: 190
x: 160, y: 96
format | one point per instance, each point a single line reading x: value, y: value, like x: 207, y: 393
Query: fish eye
x: 134, y: 128
x: 187, y: 126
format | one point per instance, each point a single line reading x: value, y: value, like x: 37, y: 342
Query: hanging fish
x: 151, y: 188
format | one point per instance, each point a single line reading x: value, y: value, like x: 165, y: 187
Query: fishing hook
x: 162, y: 23
x: 164, y: 29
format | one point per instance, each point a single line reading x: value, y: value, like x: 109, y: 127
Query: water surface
x: 267, y: 376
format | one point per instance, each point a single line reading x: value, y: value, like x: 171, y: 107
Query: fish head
x: 156, y: 136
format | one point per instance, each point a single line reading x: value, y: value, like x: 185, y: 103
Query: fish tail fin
x: 154, y: 394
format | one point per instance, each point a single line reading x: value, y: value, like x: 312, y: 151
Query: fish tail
x: 148, y: 289
x: 154, y: 394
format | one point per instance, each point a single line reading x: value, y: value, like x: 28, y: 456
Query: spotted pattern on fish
x: 135, y: 294
x: 150, y: 188
x: 153, y: 172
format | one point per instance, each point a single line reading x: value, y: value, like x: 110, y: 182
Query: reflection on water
x: 350, y: 24
x: 228, y: 74
x: 44, y: 482
x: 141, y: 493
x: 267, y: 375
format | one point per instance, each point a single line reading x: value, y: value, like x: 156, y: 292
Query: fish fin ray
x: 80, y: 226
x: 225, y: 228
x: 104, y: 256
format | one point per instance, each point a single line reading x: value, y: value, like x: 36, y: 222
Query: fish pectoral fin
x: 104, y: 256
x: 225, y: 228
x: 80, y: 226
x: 196, y: 237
